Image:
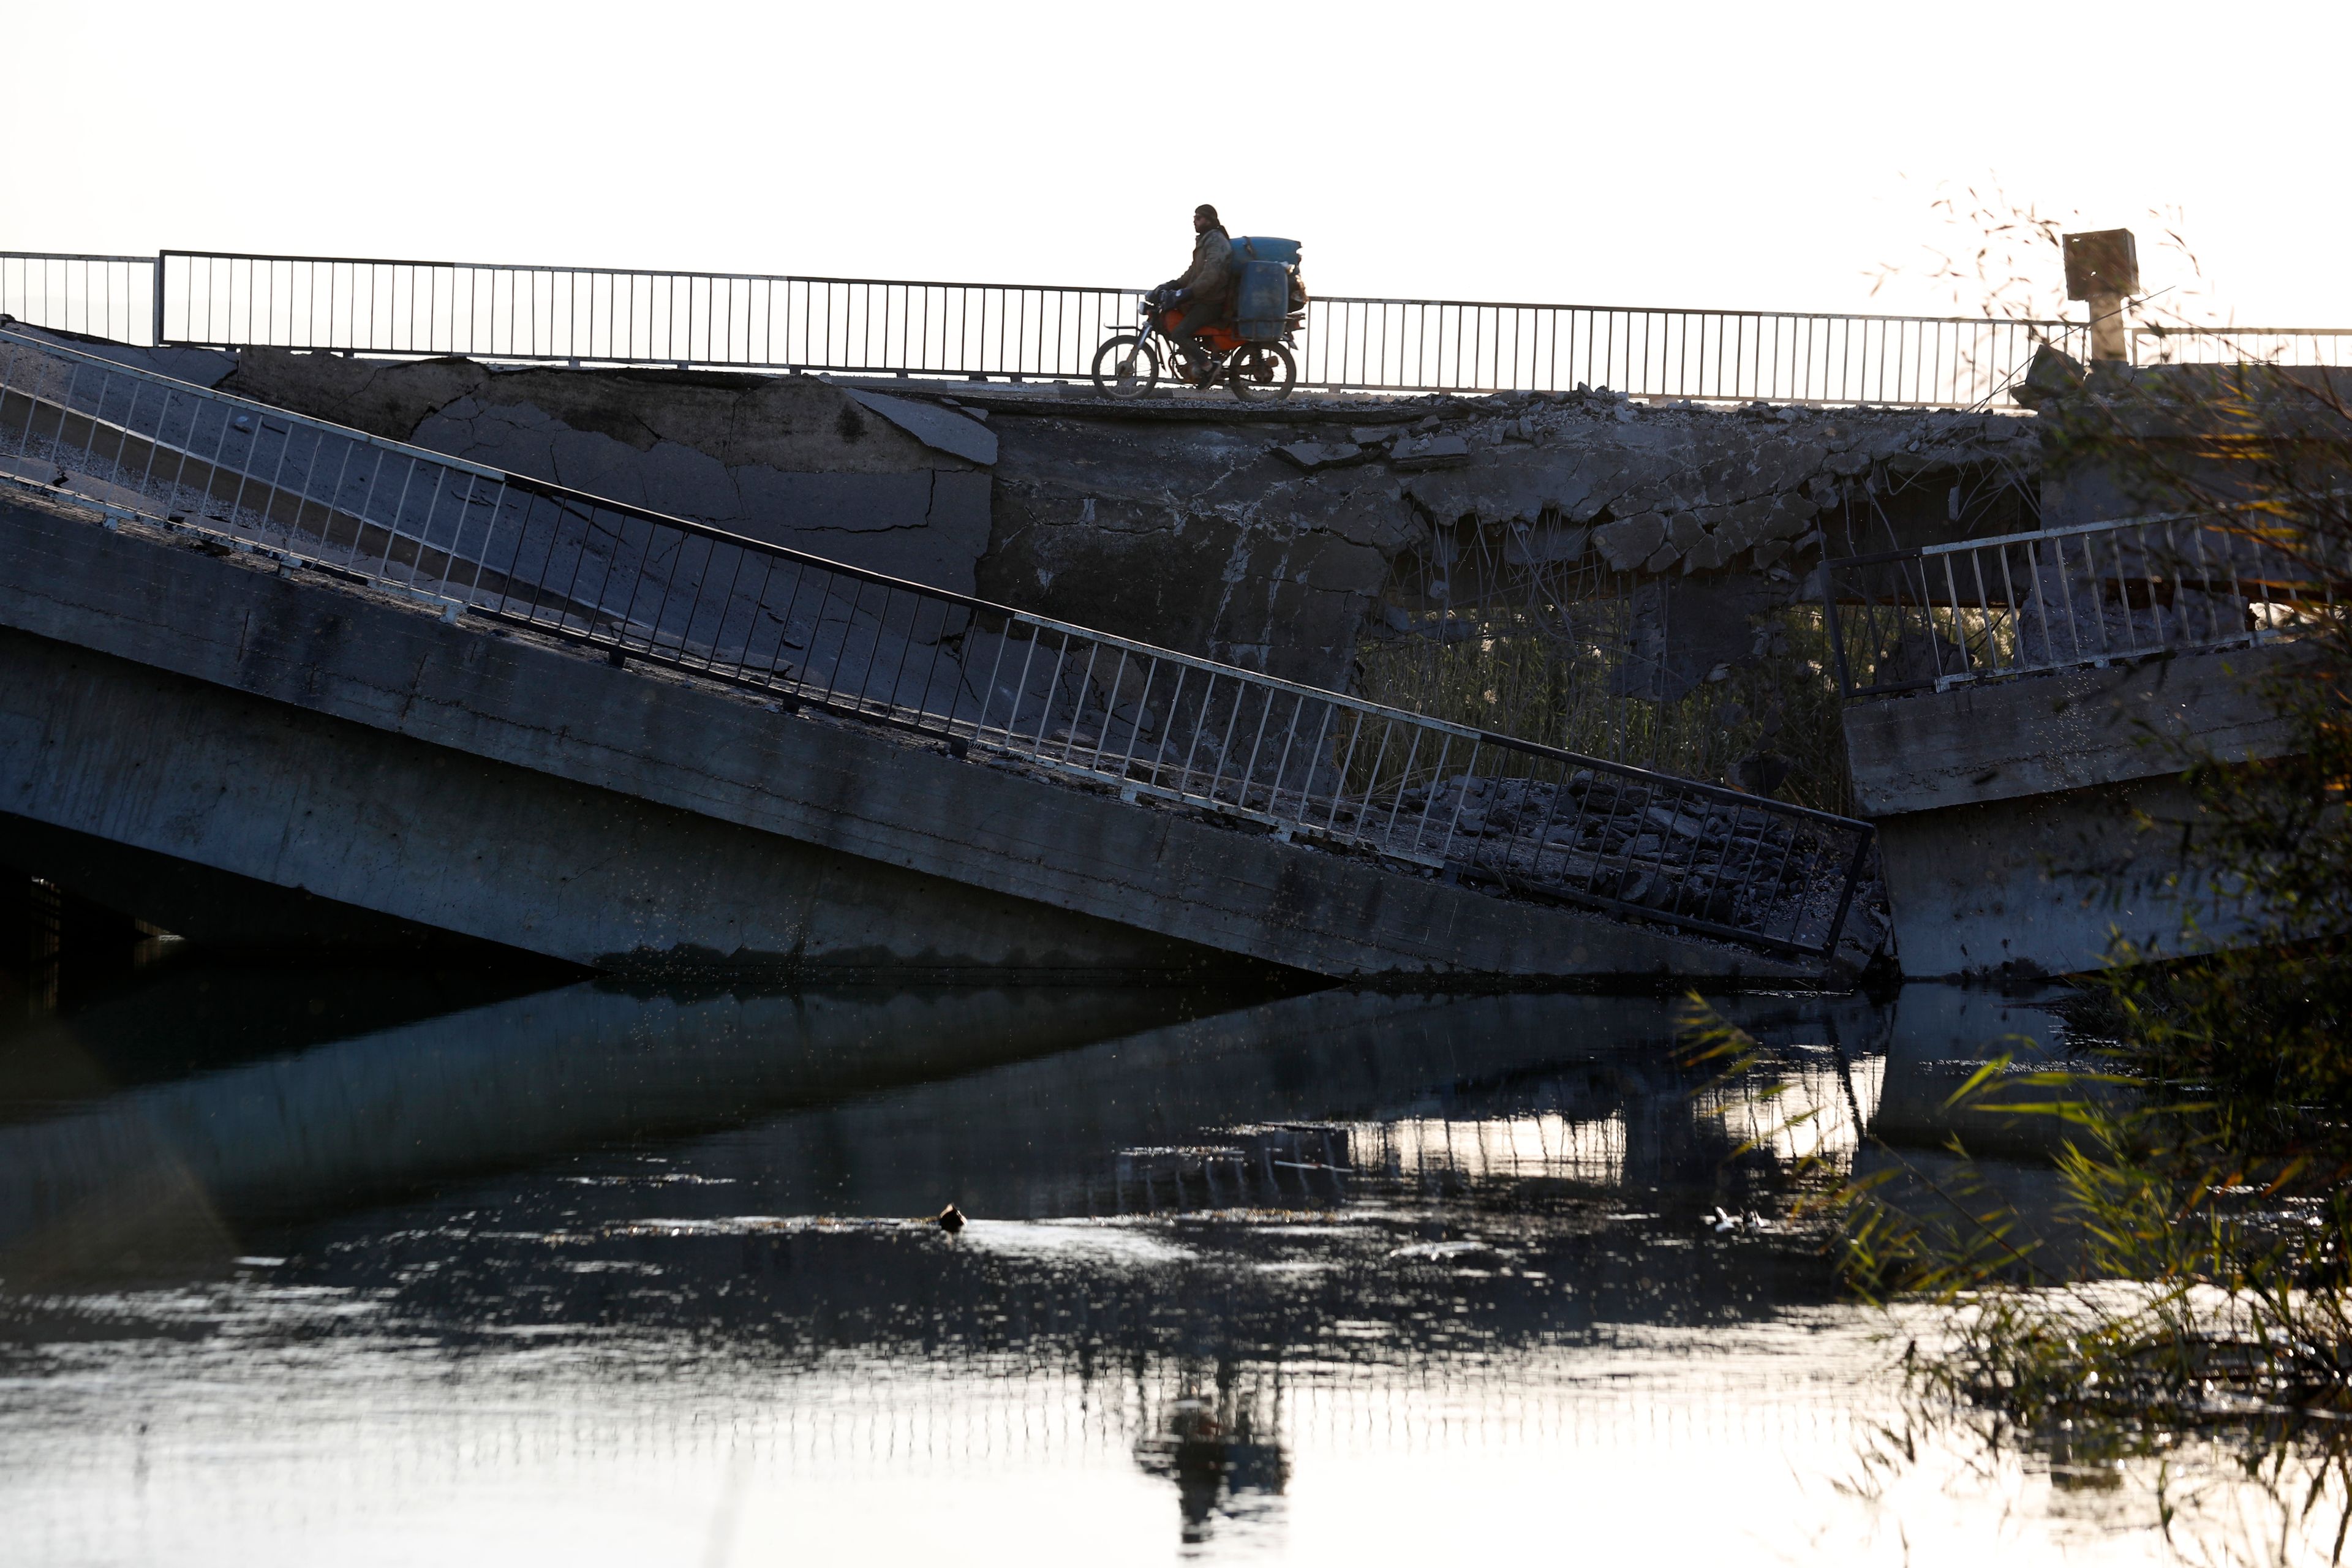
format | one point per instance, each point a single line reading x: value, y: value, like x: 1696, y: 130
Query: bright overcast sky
x: 1767, y: 155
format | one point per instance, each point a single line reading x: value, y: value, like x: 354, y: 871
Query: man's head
x: 1204, y: 219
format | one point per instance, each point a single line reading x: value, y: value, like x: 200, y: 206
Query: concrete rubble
x: 1283, y: 545
x: 1647, y: 846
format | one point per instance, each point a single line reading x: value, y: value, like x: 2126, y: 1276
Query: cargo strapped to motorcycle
x: 1267, y: 294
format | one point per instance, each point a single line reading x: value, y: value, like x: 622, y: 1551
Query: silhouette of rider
x: 1205, y: 294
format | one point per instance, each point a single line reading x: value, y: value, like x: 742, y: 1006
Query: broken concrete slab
x: 201, y: 367
x: 942, y: 428
x: 794, y: 423
x: 638, y: 819
x: 1431, y: 451
x: 1314, y: 454
x: 2072, y: 729
x: 1625, y: 546
x: 791, y: 460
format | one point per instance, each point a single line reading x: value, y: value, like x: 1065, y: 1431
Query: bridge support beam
x: 2024, y: 823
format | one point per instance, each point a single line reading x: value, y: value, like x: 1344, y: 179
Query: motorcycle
x: 1132, y: 363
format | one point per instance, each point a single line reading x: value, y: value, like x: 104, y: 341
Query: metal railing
x: 1716, y: 356
x: 1082, y: 705
x: 2291, y: 346
x: 2059, y: 598
x: 599, y: 315
x: 111, y: 297
x: 624, y: 316
x: 865, y: 326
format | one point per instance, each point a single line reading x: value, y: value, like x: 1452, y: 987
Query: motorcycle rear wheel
x: 1261, y: 372
x: 1127, y: 366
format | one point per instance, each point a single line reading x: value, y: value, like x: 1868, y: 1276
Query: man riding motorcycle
x: 1205, y: 294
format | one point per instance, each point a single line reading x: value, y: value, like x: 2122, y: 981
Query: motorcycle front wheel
x: 1261, y: 372
x: 1127, y: 366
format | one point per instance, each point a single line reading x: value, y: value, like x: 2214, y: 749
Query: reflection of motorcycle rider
x: 1205, y: 293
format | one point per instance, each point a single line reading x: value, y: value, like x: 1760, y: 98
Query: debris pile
x: 1678, y: 851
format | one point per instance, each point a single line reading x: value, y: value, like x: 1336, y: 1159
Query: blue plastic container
x: 1258, y: 248
x: 1262, y: 300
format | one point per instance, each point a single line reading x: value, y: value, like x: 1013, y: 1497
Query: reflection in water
x: 611, y: 1276
x: 1543, y: 1144
x: 1222, y: 1449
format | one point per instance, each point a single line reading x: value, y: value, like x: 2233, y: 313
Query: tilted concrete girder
x: 287, y: 727
x: 2025, y: 823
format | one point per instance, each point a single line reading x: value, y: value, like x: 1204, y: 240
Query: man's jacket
x: 1208, y: 283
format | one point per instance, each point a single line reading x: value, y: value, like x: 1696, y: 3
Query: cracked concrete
x: 787, y: 459
x: 1270, y: 544
x: 201, y: 367
x: 1271, y: 538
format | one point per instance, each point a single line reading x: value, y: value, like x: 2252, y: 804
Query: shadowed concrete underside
x: 308, y: 733
x: 223, y: 910
x: 206, y: 795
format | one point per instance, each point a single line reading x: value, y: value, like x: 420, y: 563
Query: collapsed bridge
x: 299, y: 662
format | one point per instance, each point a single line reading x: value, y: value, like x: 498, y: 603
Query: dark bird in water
x: 951, y: 1219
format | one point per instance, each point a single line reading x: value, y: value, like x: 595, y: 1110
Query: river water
x: 348, y: 1267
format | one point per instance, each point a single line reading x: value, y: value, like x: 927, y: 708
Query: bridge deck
x: 1145, y: 732
x: 283, y: 725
